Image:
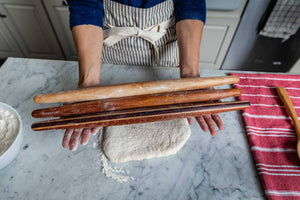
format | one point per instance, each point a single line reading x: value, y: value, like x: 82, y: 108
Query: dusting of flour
x: 117, y: 174
x: 108, y: 170
x: 9, y: 126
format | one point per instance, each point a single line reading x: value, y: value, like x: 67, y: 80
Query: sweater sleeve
x: 190, y: 9
x: 86, y: 12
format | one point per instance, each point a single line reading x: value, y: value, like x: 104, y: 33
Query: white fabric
x: 284, y: 20
x: 114, y: 34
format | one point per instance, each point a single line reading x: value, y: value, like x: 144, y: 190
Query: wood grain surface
x: 169, y: 98
x: 139, y: 115
x: 133, y: 89
x: 288, y: 104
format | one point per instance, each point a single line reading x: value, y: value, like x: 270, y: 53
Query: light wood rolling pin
x: 139, y: 115
x: 133, y: 89
x: 136, y: 102
x: 285, y: 98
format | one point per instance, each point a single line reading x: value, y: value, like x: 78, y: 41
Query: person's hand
x: 73, y: 136
x: 207, y: 122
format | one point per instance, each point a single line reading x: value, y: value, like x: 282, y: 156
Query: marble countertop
x: 207, y: 167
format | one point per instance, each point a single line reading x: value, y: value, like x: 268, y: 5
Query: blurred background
x: 253, y: 35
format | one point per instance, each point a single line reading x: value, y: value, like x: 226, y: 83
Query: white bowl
x: 11, y: 153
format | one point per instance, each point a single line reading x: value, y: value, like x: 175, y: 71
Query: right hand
x: 72, y: 136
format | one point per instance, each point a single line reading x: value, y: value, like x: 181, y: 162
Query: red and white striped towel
x: 271, y: 133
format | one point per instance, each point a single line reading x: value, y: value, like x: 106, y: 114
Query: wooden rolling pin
x: 133, y: 89
x: 139, y: 115
x: 189, y: 96
x: 286, y: 100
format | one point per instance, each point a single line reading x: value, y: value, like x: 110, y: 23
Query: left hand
x: 207, y: 122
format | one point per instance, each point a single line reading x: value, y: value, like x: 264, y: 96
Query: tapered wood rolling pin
x: 169, y: 98
x: 286, y: 100
x: 133, y: 89
x: 139, y: 115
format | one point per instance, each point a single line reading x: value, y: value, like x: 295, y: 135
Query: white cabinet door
x: 8, y: 46
x: 31, y: 29
x: 216, y: 38
x: 217, y: 35
x: 59, y: 14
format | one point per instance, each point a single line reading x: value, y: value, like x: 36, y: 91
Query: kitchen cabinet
x: 8, y: 46
x: 217, y: 35
x: 29, y: 29
x: 59, y: 14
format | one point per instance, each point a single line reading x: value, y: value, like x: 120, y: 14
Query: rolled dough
x: 144, y: 141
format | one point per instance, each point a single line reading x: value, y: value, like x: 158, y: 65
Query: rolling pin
x: 287, y: 102
x: 139, y: 115
x: 133, y: 89
x: 136, y: 102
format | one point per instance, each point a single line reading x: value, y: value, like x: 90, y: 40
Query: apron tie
x: 114, y: 34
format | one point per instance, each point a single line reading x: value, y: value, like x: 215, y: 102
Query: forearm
x: 189, y: 34
x: 89, y: 42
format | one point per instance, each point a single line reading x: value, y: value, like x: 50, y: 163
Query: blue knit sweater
x: 91, y: 11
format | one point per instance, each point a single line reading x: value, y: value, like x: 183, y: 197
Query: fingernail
x: 85, y: 143
x: 74, y: 148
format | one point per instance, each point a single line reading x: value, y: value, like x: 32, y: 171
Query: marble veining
x: 206, y: 167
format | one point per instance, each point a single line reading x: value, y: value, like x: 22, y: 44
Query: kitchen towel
x: 284, y: 20
x: 271, y: 133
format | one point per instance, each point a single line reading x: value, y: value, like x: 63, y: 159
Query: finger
x: 211, y: 125
x: 190, y: 120
x: 75, y: 138
x: 67, y: 137
x: 202, y: 123
x: 218, y: 121
x: 95, y: 130
x: 85, y: 136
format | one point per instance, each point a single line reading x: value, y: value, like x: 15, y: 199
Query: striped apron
x: 139, y: 36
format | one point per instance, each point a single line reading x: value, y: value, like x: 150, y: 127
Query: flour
x: 140, y: 141
x: 117, y: 174
x: 9, y: 127
x: 108, y: 170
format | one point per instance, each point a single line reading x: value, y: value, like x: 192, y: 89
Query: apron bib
x: 138, y: 36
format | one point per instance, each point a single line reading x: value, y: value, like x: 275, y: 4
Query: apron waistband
x: 114, y: 34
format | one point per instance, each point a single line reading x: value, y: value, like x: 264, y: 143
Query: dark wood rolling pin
x: 139, y: 115
x: 133, y: 89
x: 140, y: 101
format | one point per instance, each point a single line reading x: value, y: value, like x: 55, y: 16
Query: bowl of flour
x: 11, y: 135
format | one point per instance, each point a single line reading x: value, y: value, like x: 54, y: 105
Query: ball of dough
x: 144, y: 141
